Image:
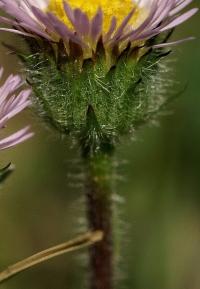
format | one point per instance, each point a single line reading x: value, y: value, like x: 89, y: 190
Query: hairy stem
x: 99, y: 214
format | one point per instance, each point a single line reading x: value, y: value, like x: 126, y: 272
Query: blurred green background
x: 160, y: 184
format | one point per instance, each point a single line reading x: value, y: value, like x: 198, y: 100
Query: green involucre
x: 124, y: 97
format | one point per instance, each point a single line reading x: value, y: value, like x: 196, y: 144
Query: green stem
x: 99, y: 214
x: 97, y: 149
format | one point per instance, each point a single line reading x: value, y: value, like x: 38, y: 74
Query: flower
x: 84, y: 23
x: 12, y: 103
x: 95, y: 66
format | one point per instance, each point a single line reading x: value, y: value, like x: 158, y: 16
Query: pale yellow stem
x: 80, y: 242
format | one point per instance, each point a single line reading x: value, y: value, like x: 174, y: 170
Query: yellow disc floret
x: 118, y: 8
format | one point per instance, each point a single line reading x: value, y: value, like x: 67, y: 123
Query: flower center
x: 118, y: 8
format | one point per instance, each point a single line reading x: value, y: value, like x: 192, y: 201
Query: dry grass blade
x: 80, y: 242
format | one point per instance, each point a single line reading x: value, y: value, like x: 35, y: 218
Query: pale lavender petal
x: 40, y: 15
x: 12, y: 104
x: 16, y: 138
x: 162, y: 17
x: 1, y: 72
x: 17, y: 32
x: 180, y: 7
x: 111, y: 30
x: 81, y: 23
x: 96, y: 25
x: 63, y: 30
x: 173, y: 43
x: 69, y: 13
x: 184, y: 17
x: 31, y: 19
x: 123, y: 25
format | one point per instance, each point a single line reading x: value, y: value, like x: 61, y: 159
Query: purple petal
x: 96, y: 25
x: 16, y: 138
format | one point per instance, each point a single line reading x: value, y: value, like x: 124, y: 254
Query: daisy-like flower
x: 85, y: 22
x: 97, y: 56
x: 12, y: 103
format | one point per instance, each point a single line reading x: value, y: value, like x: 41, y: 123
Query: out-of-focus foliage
x: 5, y: 172
x: 42, y: 203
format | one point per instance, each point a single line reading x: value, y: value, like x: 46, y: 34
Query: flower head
x: 97, y: 56
x: 84, y: 23
x: 12, y: 103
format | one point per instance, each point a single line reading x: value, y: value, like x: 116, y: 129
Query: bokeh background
x: 159, y: 185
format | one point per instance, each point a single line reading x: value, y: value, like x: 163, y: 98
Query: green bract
x: 122, y: 98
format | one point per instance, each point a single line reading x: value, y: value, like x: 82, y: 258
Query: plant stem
x: 99, y: 214
x: 97, y: 149
x: 78, y: 243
